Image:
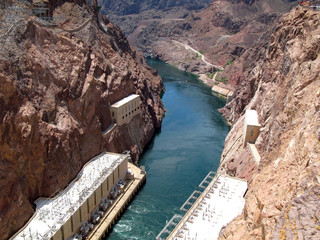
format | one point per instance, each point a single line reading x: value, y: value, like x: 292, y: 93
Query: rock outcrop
x: 57, y: 83
x: 283, y: 198
x: 222, y: 32
x: 127, y: 7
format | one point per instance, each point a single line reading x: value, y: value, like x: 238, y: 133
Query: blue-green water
x: 179, y: 157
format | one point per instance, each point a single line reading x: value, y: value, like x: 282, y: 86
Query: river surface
x: 188, y: 146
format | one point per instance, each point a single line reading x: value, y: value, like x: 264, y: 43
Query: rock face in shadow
x: 57, y: 84
x: 283, y: 195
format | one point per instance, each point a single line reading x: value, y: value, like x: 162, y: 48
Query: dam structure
x: 63, y: 216
x: 102, y: 189
x: 220, y: 202
x: 89, y: 206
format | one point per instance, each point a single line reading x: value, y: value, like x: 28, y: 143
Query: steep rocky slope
x: 127, y: 7
x: 283, y: 199
x: 222, y: 32
x: 57, y: 83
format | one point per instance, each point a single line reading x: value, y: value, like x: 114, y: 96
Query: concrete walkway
x: 109, y: 129
x: 254, y: 152
x: 119, y: 205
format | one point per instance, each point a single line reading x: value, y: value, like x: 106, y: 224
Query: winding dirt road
x: 202, y: 56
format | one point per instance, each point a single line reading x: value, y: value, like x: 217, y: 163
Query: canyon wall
x: 283, y: 198
x: 57, y: 83
x: 127, y: 7
x: 223, y: 32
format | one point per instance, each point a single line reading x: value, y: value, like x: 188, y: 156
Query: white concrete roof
x: 221, y: 203
x: 52, y: 213
x: 251, y: 118
x: 125, y: 100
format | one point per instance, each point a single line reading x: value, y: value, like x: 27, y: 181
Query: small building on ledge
x: 251, y: 127
x: 124, y: 110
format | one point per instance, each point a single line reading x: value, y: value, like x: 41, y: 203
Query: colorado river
x: 188, y: 146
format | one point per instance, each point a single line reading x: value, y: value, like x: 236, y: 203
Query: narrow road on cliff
x: 200, y: 54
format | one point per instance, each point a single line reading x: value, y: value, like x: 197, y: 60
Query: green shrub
x: 228, y: 63
x: 211, y: 75
x: 223, y: 80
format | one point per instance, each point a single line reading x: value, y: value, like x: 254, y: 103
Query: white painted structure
x: 124, y: 110
x: 251, y: 127
x: 254, y: 152
x: 219, y: 204
x: 60, y: 217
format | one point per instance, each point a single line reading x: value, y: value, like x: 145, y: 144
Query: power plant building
x: 62, y: 216
x: 251, y: 127
x: 124, y: 110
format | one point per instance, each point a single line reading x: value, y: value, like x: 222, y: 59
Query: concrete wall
x: 251, y: 133
x: 123, y: 167
x: 91, y: 203
x: 105, y: 188
x: 123, y: 114
x: 110, y: 182
x: 84, y: 211
x: 98, y: 194
x: 67, y: 229
x: 116, y: 175
x: 76, y: 220
x: 58, y: 235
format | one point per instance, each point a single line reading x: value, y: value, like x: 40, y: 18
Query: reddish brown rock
x: 283, y: 197
x: 57, y: 83
x: 224, y: 32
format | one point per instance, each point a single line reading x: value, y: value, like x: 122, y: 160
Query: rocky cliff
x: 127, y: 7
x: 57, y: 81
x: 222, y: 32
x: 283, y: 198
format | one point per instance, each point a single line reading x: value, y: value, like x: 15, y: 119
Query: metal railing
x: 207, y: 179
x: 170, y: 223
x: 188, y: 202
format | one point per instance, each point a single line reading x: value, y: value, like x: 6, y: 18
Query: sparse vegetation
x: 198, y: 56
x: 223, y: 80
x: 228, y: 63
x: 202, y: 52
x: 211, y: 75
